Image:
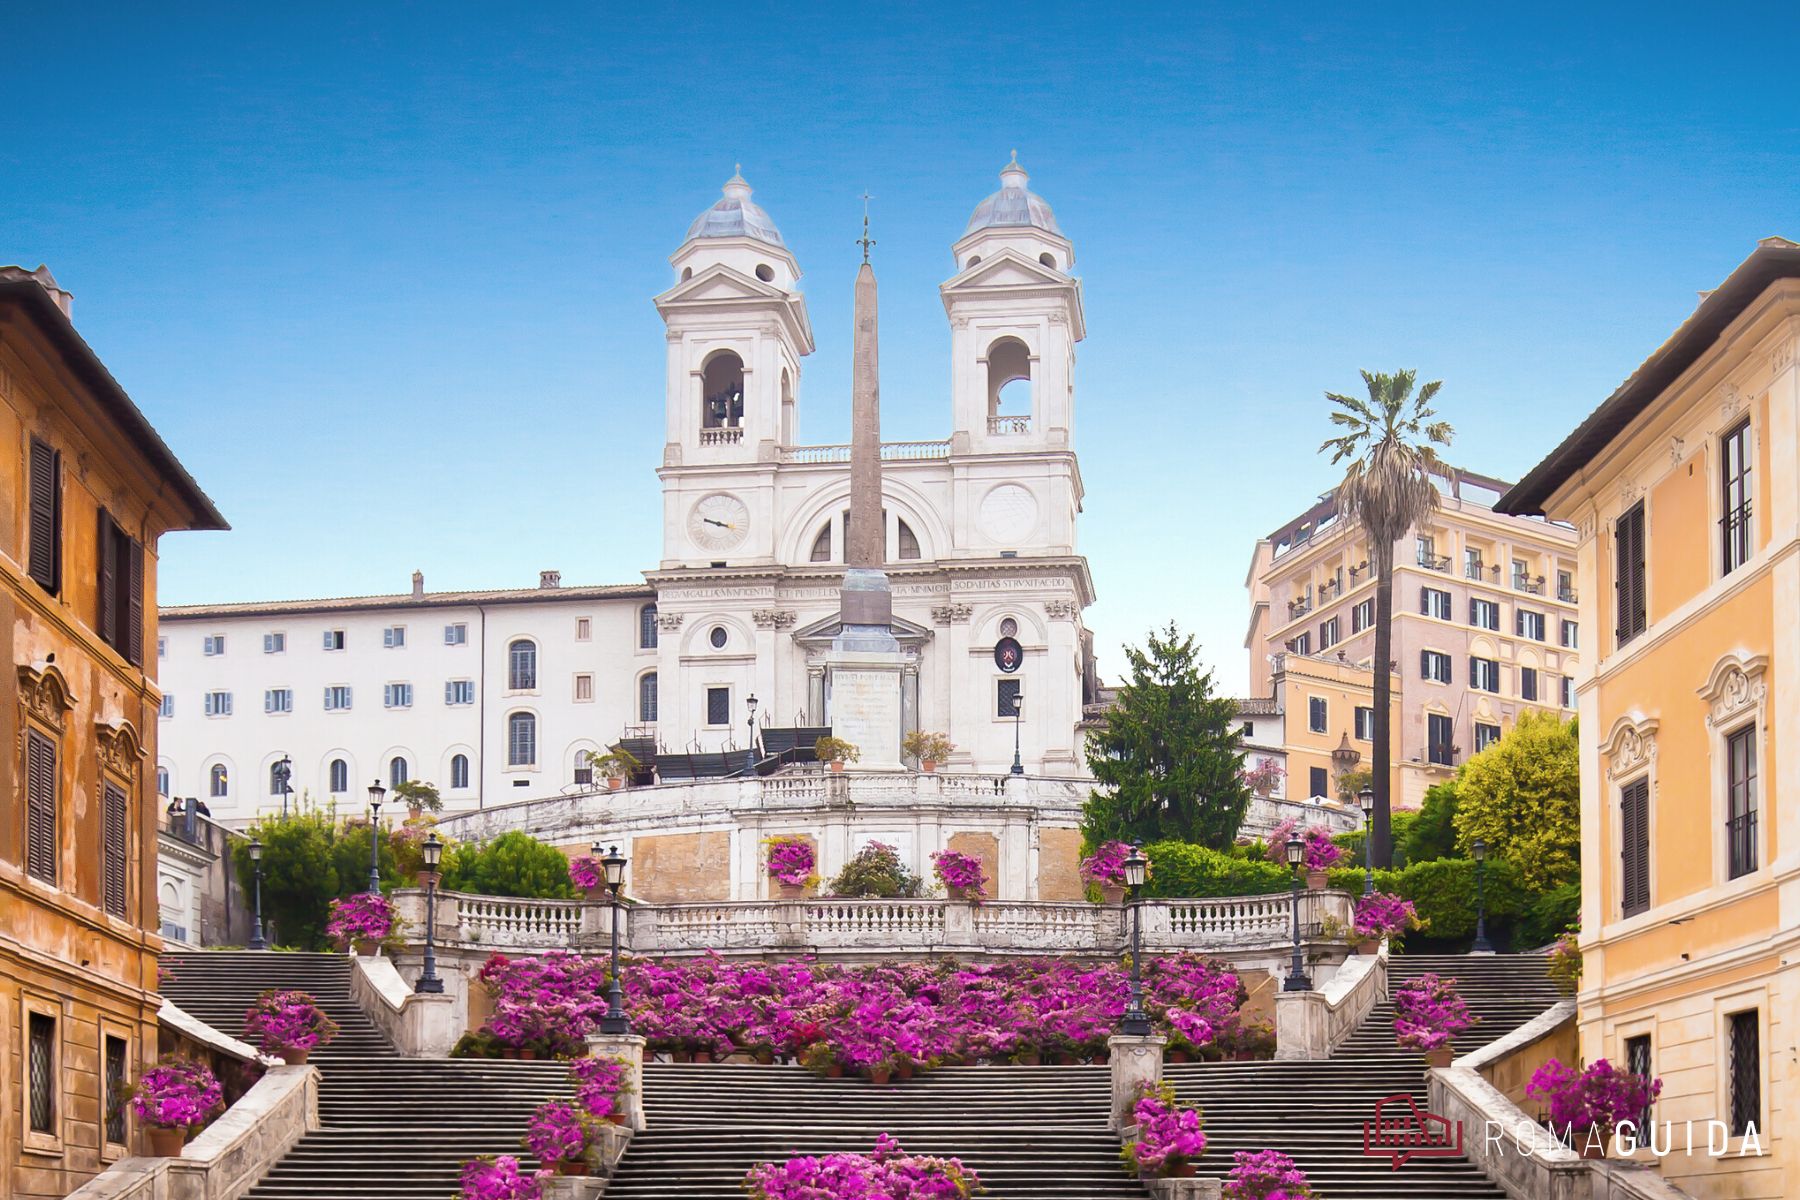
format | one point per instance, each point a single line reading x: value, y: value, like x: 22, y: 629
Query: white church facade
x: 501, y: 696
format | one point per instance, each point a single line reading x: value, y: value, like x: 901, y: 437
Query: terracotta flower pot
x: 1029, y: 1060
x: 837, y: 764
x: 1368, y: 946
x: 1178, y: 1170
x: 527, y: 1054
x: 879, y: 1076
x: 1441, y: 1057
x: 834, y: 1071
x: 703, y: 1056
x: 414, y: 812
x: 1592, y: 1142
x: 1316, y: 880
x: 615, y: 1118
x: 614, y: 782
x: 790, y: 891
x: 928, y: 765
x: 166, y: 1143
x: 903, y: 1072
x: 572, y: 1166
x: 364, y: 947
x: 1112, y: 893
x: 294, y: 1058
x: 1243, y: 1056
x: 962, y: 894
x: 1177, y: 1056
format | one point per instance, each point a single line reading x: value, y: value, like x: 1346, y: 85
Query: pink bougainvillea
x: 961, y: 872
x: 556, y: 1132
x: 1265, y: 1175
x: 586, y: 873
x: 1429, y: 1013
x: 1168, y: 1135
x: 286, y: 1020
x: 1601, y: 1096
x: 1382, y: 914
x: 886, y: 1173
x: 177, y: 1093
x: 500, y: 1177
x: 362, y: 917
x: 791, y: 860
x: 1106, y: 865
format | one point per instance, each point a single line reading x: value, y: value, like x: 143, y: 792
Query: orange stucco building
x: 1685, y: 490
x: 87, y: 489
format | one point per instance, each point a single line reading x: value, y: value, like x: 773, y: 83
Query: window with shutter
x: 116, y: 850
x: 107, y: 588
x: 1634, y: 828
x: 45, y: 558
x: 133, y: 647
x: 1629, y: 583
x: 40, y: 806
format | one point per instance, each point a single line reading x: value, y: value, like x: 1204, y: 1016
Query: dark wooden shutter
x: 107, y: 585
x: 1629, y: 583
x: 1634, y: 825
x: 40, y: 806
x: 45, y: 558
x: 116, y: 850
x: 134, y: 602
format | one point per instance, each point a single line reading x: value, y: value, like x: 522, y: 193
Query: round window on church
x: 1009, y: 628
x: 718, y: 637
x: 765, y: 272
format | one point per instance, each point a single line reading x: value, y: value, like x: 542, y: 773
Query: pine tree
x: 1168, y: 761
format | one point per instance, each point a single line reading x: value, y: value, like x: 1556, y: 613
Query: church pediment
x: 1008, y: 268
x: 720, y: 283
x: 820, y: 633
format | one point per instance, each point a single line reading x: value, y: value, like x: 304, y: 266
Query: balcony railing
x: 890, y: 452
x: 1568, y: 595
x: 1531, y: 587
x: 1330, y: 589
x: 1435, y: 562
x: 1740, y: 839
x: 1300, y: 607
x: 1002, y: 426
x: 722, y: 436
x: 1475, y: 571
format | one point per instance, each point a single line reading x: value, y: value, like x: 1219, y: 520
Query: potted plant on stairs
x: 360, y: 922
x: 497, y: 1177
x: 961, y: 874
x: 1105, y: 869
x: 288, y: 1024
x: 1384, y: 915
x: 420, y: 798
x: 615, y: 767
x: 172, y: 1099
x: 1590, y: 1105
x: 1266, y: 1175
x: 1166, y: 1138
x: 790, y: 864
x: 1428, y: 1014
x: 558, y: 1135
x: 929, y: 748
x: 835, y: 752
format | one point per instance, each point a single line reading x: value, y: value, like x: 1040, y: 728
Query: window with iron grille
x: 1434, y: 602
x: 1440, y: 739
x: 521, y: 740
x: 44, y: 562
x: 40, y: 806
x: 521, y: 670
x: 115, y: 849
x: 1006, y: 696
x: 1734, y: 519
x: 113, y: 1098
x: 1634, y: 850
x: 41, y: 1051
x: 718, y: 706
x: 1628, y: 573
x: 1317, y: 714
x: 1637, y: 1061
x: 1745, y: 1063
x: 584, y: 769
x: 1740, y: 800
x: 647, y: 698
x: 647, y: 627
x: 219, y: 781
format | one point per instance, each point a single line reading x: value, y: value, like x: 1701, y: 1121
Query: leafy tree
x: 1168, y: 761
x: 876, y: 870
x: 416, y: 793
x: 513, y: 864
x: 299, y: 876
x: 1432, y: 833
x: 1391, y: 440
x: 1522, y: 795
x: 350, y: 855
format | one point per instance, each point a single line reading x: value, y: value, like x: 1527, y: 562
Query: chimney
x: 549, y: 579
x: 418, y: 585
x: 47, y: 281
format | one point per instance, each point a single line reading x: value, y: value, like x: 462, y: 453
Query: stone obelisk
x: 864, y: 668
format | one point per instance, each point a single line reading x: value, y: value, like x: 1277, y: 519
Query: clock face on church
x: 718, y: 521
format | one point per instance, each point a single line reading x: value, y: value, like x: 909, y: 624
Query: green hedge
x: 1183, y: 870
x: 513, y: 864
x: 1549, y: 915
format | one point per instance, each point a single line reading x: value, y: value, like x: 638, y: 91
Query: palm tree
x: 1391, y: 440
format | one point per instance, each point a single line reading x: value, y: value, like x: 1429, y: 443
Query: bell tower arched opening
x: 1008, y: 383
x: 722, y: 391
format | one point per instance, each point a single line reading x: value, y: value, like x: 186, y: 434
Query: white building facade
x: 500, y: 696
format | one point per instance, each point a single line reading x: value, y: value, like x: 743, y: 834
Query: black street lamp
x: 376, y: 792
x: 1297, y: 980
x: 1136, y: 1022
x: 1481, y: 944
x: 1018, y: 767
x: 615, y: 1020
x: 750, y: 753
x: 283, y: 770
x: 433, y: 851
x: 1366, y: 798
x: 256, y: 933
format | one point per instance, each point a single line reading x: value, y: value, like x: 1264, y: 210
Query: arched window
x: 275, y: 779
x: 340, y: 776
x: 789, y: 429
x: 219, y: 784
x: 647, y: 697
x: 647, y: 627
x: 909, y: 541
x: 722, y: 386
x: 1009, y: 383
x: 162, y: 781
x: 521, y: 665
x: 521, y: 740
x: 397, y: 771
x: 821, y: 547
x: 459, y: 772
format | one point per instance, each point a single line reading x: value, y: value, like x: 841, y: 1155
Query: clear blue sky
x: 381, y: 274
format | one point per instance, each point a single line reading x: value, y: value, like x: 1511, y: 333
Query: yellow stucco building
x: 1685, y: 491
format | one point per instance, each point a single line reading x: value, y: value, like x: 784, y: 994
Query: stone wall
x: 682, y: 868
x: 984, y: 846
x: 1059, y: 864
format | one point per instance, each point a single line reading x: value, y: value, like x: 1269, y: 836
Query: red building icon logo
x: 1402, y: 1130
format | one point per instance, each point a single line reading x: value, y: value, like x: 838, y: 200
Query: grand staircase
x: 399, y: 1129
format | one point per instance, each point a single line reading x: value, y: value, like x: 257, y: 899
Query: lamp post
x: 282, y: 771
x: 1018, y: 767
x: 750, y: 753
x: 1297, y: 980
x: 429, y: 983
x: 1366, y: 798
x: 1136, y: 1022
x: 1481, y: 944
x: 376, y: 792
x: 615, y: 1020
x: 256, y: 932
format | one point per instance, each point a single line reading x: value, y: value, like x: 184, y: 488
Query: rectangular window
x: 162, y: 647
x: 218, y: 704
x: 1637, y: 1061
x: 1484, y: 614
x: 456, y: 635
x: 1529, y: 624
x: 584, y: 774
x: 274, y: 643
x: 718, y: 706
x: 1740, y: 801
x: 1521, y: 575
x: 278, y: 700
x: 584, y: 630
x: 1318, y: 782
x: 1634, y: 853
x: 1568, y: 691
x: 1316, y: 713
x: 1435, y: 602
x: 1440, y: 738
x: 1247, y: 729
x: 168, y: 707
x: 459, y: 691
x: 44, y: 562
x: 1472, y: 567
x: 647, y: 627
x: 41, y: 1049
x: 1734, y: 518
x: 1302, y: 644
x: 1362, y: 616
x: 1427, y: 551
x: 396, y: 695
x: 1571, y: 634
x: 1528, y: 683
x: 1744, y: 1032
x: 113, y: 1097
x: 1006, y: 697
x: 1485, y: 736
x: 1628, y: 573
x: 214, y: 645
x: 1328, y: 634
x: 334, y: 639
x: 1434, y: 665
x: 119, y: 590
x: 337, y: 698
x: 1365, y: 724
x: 584, y: 687
x: 394, y: 637
x: 1565, y: 587
x: 115, y: 850
x: 1484, y: 674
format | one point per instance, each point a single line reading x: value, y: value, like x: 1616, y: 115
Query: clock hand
x: 720, y: 524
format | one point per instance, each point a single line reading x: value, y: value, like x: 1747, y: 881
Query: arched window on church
x: 821, y: 547
x: 459, y: 772
x: 340, y: 776
x: 647, y: 698
x: 1009, y: 386
x: 647, y: 627
x: 907, y: 539
x: 789, y: 416
x: 722, y: 389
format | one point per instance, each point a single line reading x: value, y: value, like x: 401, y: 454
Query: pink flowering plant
x: 1265, y: 776
x: 177, y: 1093
x: 1600, y: 1097
x: 362, y: 917
x: 586, y: 873
x: 1106, y: 865
x: 887, y: 1172
x: 1319, y: 852
x: 1385, y: 915
x: 1429, y: 1013
x: 791, y: 861
x: 961, y: 872
x: 599, y: 1083
x: 1265, y: 1175
x: 557, y: 1132
x: 1168, y: 1135
x: 285, y: 1020
x: 498, y: 1178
